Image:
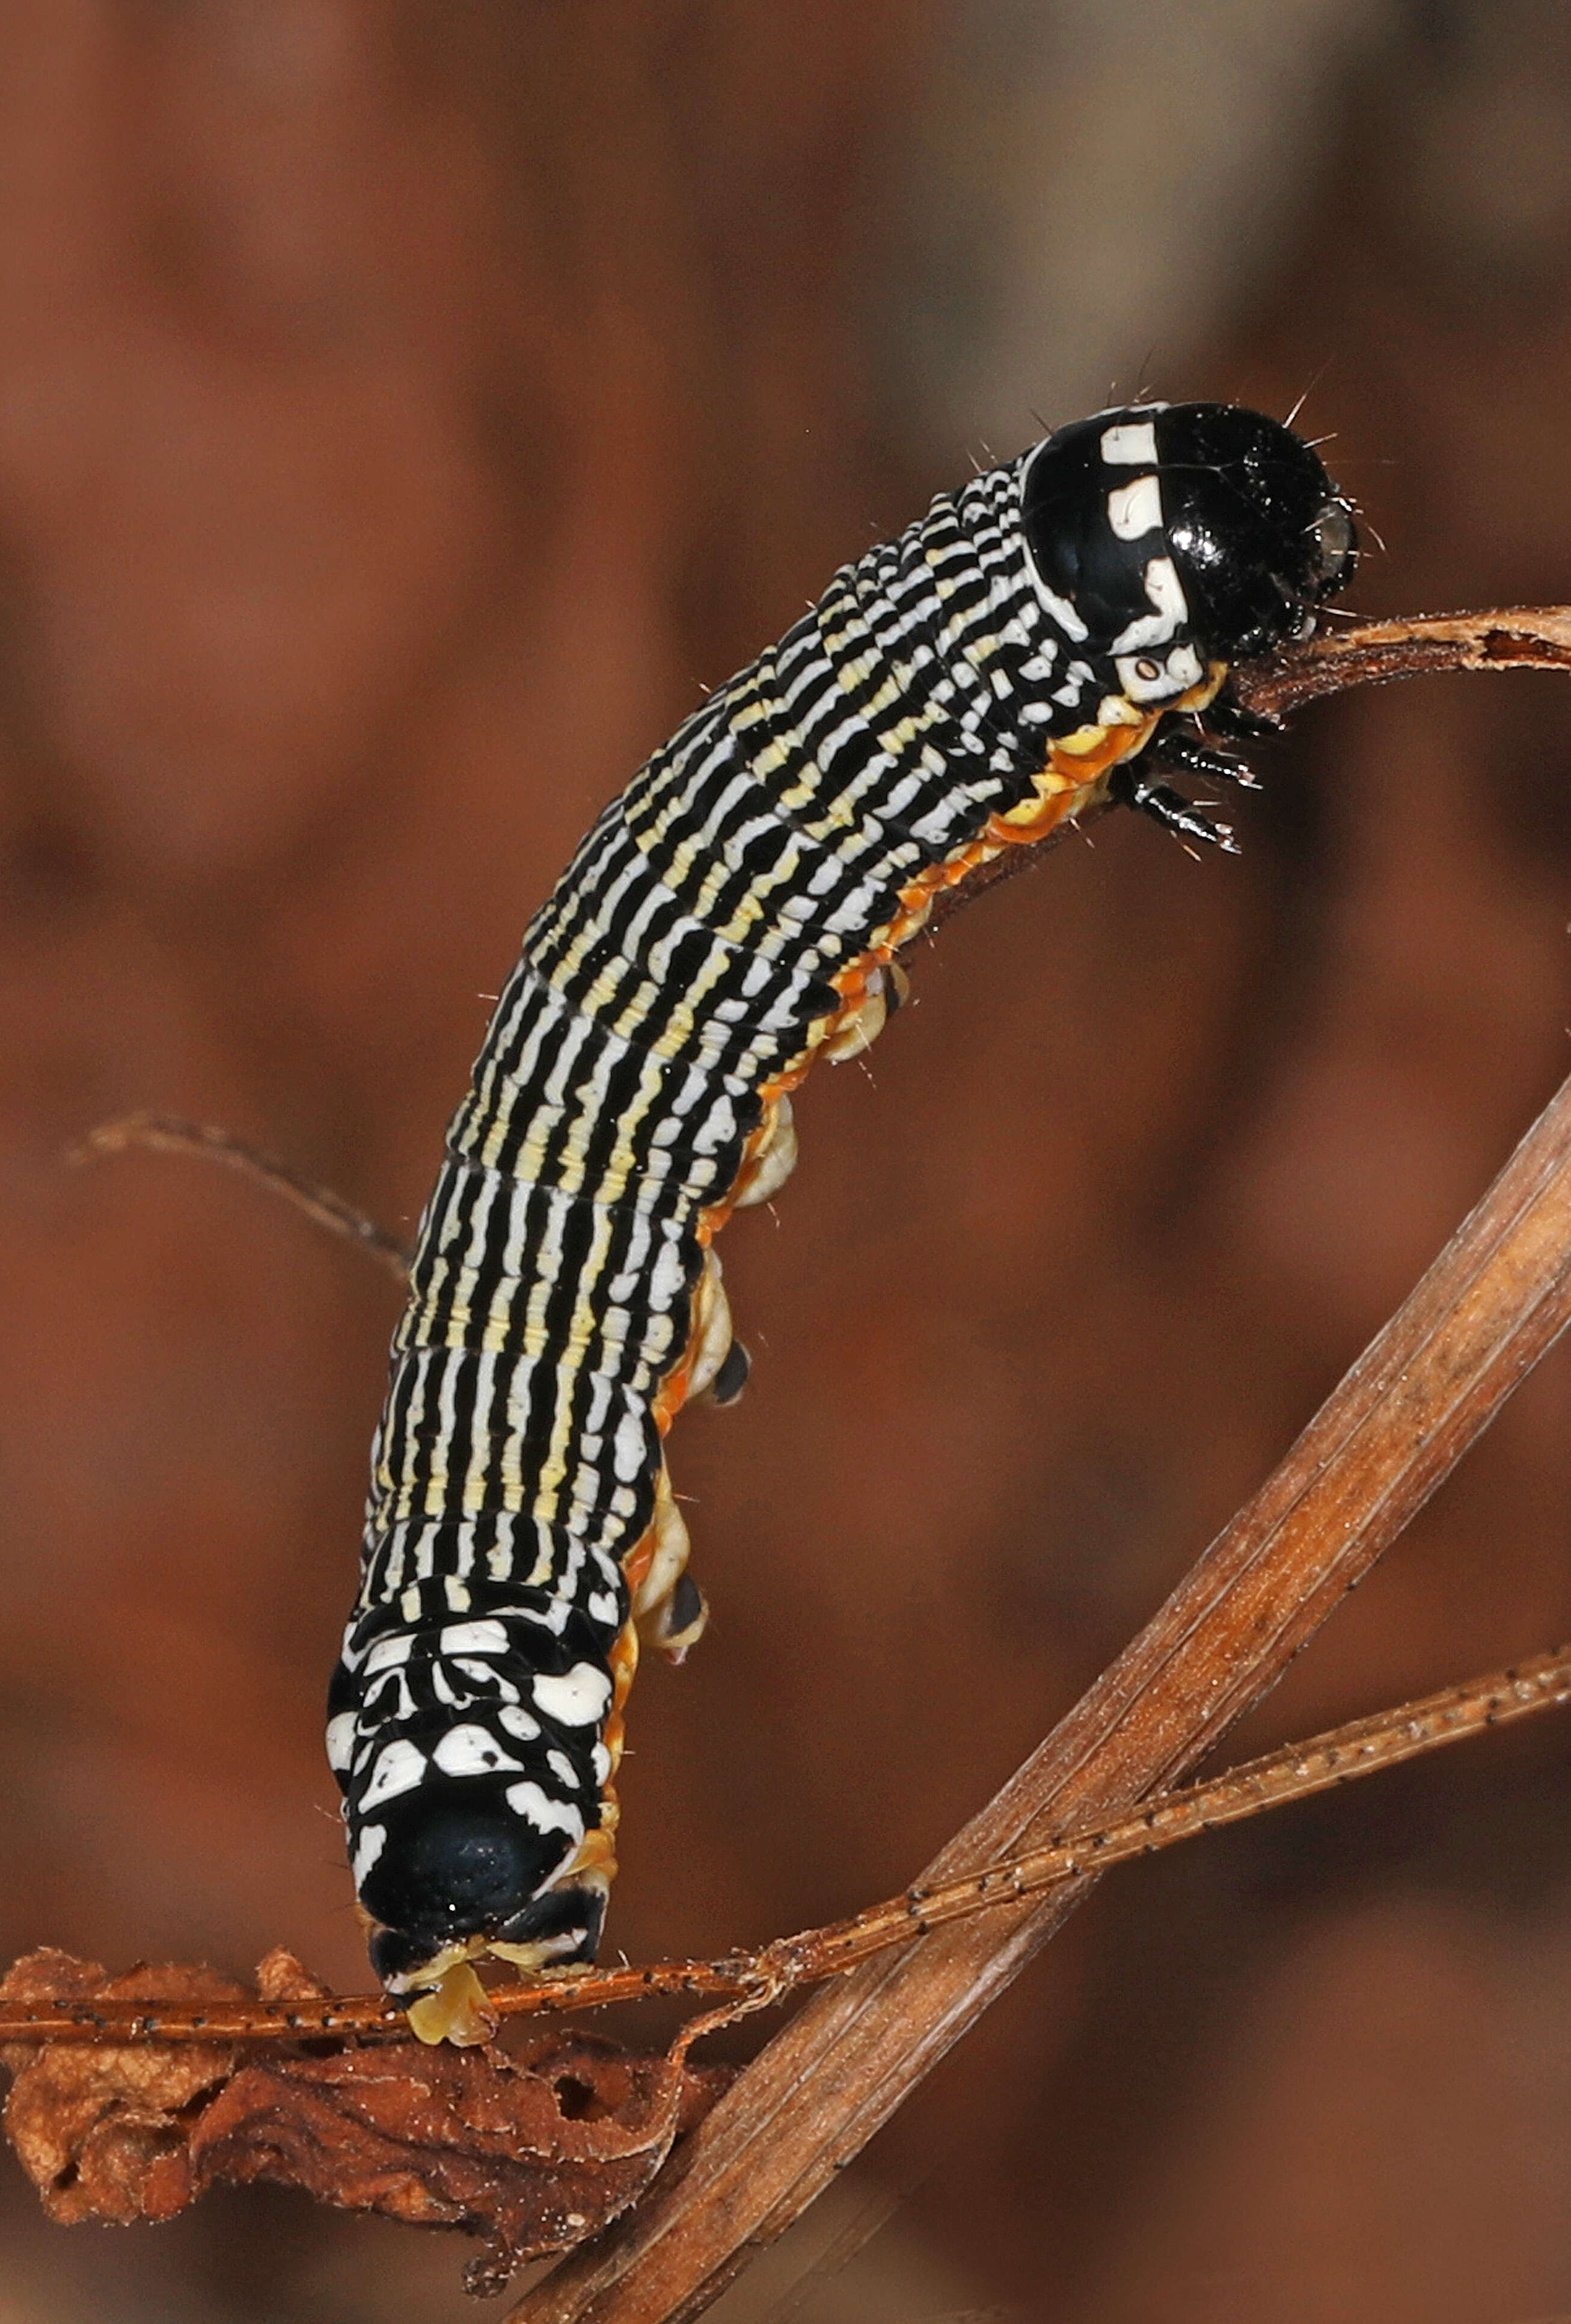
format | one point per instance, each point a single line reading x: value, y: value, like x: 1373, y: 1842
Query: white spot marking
x: 367, y: 1849
x: 1131, y: 446
x: 398, y: 1768
x: 472, y: 1751
x: 563, y: 1768
x: 488, y: 1681
x: 341, y: 1741
x: 1135, y: 508
x: 1181, y: 669
x: 518, y: 1722
x: 544, y: 1813
x: 1166, y: 592
x: 577, y: 1699
x: 475, y: 1639
x: 1112, y: 710
x: 628, y: 1448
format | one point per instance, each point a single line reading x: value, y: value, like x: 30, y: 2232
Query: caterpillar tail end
x: 489, y: 1901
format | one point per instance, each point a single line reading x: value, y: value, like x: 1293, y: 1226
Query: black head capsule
x: 1170, y: 542
x: 1181, y: 535
x: 1261, y: 537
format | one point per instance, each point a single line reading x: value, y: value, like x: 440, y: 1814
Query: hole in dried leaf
x: 576, y: 2100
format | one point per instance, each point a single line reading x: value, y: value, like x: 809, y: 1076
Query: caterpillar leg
x: 886, y: 988
x: 1226, y: 716
x: 711, y: 1343
x: 731, y: 1378
x: 1131, y: 786
x: 678, y: 1622
x: 717, y: 1363
x: 1185, y: 751
x: 772, y: 1160
x: 669, y: 1609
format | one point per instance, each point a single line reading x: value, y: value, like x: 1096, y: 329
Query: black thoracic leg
x: 1185, y: 750
x: 1228, y: 717
x: 1132, y: 784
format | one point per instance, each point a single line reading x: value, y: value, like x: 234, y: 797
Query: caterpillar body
x: 731, y: 917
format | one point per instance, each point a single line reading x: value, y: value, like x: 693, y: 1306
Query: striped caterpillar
x: 1043, y: 640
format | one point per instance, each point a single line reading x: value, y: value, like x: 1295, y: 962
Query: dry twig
x: 1497, y: 1297
x: 164, y: 1133
x: 1518, y: 637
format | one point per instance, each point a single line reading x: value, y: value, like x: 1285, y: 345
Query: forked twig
x: 164, y: 1133
x: 1486, y: 1311
x: 1298, y: 1771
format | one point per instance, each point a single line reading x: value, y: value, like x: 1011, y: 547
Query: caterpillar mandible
x: 1044, y: 639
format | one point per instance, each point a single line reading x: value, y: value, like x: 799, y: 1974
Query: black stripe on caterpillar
x: 1009, y: 661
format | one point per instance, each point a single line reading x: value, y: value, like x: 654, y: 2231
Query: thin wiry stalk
x: 163, y: 1133
x: 1296, y: 1772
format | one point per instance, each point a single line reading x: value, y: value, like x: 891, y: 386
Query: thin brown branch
x: 162, y: 1133
x: 1496, y: 1299
x: 1299, y: 1771
x: 1519, y: 637
x: 1295, y: 1772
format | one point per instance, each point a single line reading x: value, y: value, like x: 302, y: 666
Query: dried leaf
x: 534, y: 2153
x: 102, y: 2132
x: 280, y: 1977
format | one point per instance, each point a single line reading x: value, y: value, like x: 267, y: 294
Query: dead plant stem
x: 1498, y: 1296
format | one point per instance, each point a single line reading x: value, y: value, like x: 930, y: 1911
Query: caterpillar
x: 1056, y: 634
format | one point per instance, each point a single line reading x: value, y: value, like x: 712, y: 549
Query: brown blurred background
x: 404, y: 409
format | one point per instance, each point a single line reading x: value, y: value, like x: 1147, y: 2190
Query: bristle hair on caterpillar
x: 1057, y: 633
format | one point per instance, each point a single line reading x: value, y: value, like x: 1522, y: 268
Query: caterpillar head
x: 1170, y: 539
